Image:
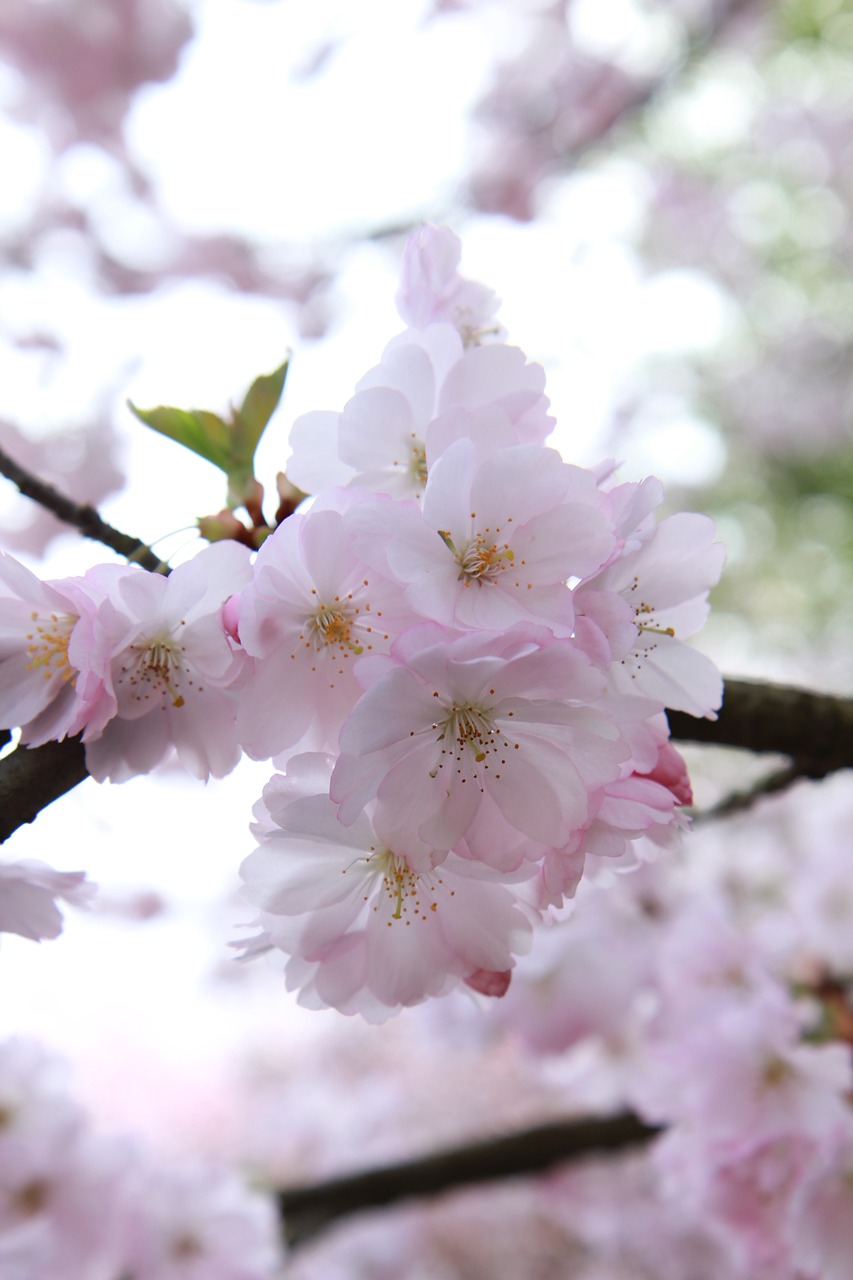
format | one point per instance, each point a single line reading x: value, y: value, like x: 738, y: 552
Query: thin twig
x: 80, y: 516
x: 742, y: 801
x: 309, y: 1210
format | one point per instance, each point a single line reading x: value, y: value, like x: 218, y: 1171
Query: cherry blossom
x: 156, y: 664
x: 371, y: 928
x: 311, y: 608
x: 392, y: 429
x: 83, y: 60
x: 493, y: 736
x: 196, y: 1224
x: 77, y: 1203
x: 38, y: 676
x: 497, y: 541
x: 661, y: 578
x: 28, y: 893
x: 432, y: 291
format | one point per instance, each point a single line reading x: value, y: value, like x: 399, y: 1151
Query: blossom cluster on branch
x: 458, y: 655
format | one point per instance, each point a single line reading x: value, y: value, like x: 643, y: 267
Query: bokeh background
x: 661, y: 194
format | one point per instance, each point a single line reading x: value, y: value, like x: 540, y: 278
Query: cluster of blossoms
x: 459, y: 658
x: 81, y: 1205
x: 723, y: 1015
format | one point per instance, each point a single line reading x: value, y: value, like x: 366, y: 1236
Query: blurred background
x: 660, y: 192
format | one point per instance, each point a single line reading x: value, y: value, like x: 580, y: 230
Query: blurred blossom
x: 82, y: 60
x: 83, y: 464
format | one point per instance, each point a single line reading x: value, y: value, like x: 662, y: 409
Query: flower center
x: 470, y: 736
x: 403, y: 888
x: 47, y: 645
x: 646, y: 610
x: 154, y: 670
x: 482, y: 559
x: 187, y: 1246
x: 32, y: 1198
x: 333, y: 625
x: 337, y: 630
x: 417, y: 469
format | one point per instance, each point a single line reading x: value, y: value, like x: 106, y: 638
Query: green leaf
x: 259, y: 405
x: 230, y: 446
x: 204, y: 433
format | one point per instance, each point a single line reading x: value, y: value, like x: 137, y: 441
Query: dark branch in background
x: 742, y: 801
x: 814, y: 729
x: 309, y: 1210
x: 80, y: 516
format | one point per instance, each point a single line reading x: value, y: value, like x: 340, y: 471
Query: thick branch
x: 32, y: 778
x: 309, y: 1210
x: 814, y: 729
x: 80, y: 516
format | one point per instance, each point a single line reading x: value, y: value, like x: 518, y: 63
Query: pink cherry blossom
x: 822, y: 1230
x: 312, y: 607
x: 394, y: 427
x: 432, y: 291
x: 564, y: 993
x: 34, y: 1097
x: 76, y: 1203
x: 371, y: 928
x: 196, y: 1224
x: 83, y: 60
x: 661, y: 578
x: 39, y: 689
x: 156, y: 664
x: 497, y: 539
x: 489, y: 736
x: 28, y: 893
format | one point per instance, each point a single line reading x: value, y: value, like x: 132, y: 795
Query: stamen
x: 417, y: 463
x: 481, y: 560
x: 471, y: 731
x: 48, y: 647
x: 405, y: 887
x: 155, y: 667
x: 333, y: 625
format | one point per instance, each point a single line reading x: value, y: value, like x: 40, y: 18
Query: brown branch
x: 310, y: 1209
x: 80, y: 516
x: 814, y: 729
x: 32, y: 778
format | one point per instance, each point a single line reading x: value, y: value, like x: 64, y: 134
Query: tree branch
x: 31, y: 778
x: 309, y: 1210
x: 814, y: 729
x: 80, y: 516
x: 742, y: 801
